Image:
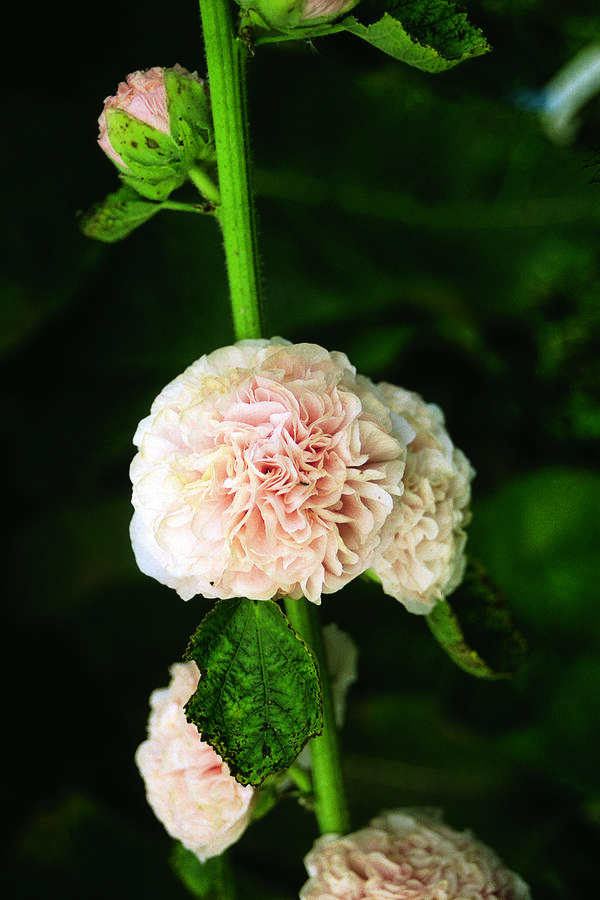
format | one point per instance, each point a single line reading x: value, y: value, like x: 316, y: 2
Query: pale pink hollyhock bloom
x: 266, y: 469
x: 408, y: 854
x: 187, y: 785
x: 143, y: 96
x: 425, y: 560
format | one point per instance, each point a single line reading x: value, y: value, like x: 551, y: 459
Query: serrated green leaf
x: 474, y: 628
x: 209, y: 880
x: 431, y: 35
x: 117, y: 215
x: 259, y: 696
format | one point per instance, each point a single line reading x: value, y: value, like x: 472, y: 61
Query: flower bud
x: 283, y: 14
x: 156, y: 128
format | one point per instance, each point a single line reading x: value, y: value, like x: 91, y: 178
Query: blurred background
x: 433, y: 229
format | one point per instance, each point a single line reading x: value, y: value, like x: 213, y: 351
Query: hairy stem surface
x: 226, y: 58
x: 330, y: 800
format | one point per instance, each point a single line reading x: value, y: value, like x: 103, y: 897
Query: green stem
x: 226, y: 58
x: 330, y: 800
x: 226, y: 63
x: 184, y: 207
x: 205, y: 185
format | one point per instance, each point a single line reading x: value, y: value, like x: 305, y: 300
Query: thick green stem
x: 226, y: 63
x: 330, y: 800
x: 226, y: 57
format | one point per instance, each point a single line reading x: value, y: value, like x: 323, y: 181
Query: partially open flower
x: 156, y: 128
x: 408, y: 854
x: 188, y: 786
x: 143, y: 97
x: 266, y: 469
x: 425, y: 559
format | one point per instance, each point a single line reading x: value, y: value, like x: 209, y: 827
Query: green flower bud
x: 285, y: 14
x: 157, y: 128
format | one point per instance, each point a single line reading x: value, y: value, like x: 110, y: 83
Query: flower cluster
x: 271, y: 469
x: 188, y: 785
x: 408, y: 854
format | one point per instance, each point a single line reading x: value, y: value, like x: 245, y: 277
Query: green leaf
x: 475, y: 629
x: 209, y: 880
x: 117, y: 215
x: 259, y: 697
x: 429, y: 34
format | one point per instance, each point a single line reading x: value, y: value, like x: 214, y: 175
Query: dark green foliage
x: 259, y: 696
x: 429, y: 229
x: 432, y: 35
x: 473, y: 626
x: 117, y: 215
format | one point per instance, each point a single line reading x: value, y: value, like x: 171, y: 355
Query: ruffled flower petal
x: 266, y: 469
x: 408, y: 854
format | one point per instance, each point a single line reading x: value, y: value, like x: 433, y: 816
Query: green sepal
x: 474, y: 628
x: 259, y: 697
x: 117, y: 215
x: 190, y: 118
x: 286, y: 18
x: 209, y: 880
x: 152, y: 159
x: 139, y: 144
x: 432, y: 35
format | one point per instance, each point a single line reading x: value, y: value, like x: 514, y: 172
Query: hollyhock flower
x: 266, y: 469
x: 143, y: 96
x: 425, y: 559
x: 188, y: 786
x: 157, y: 128
x: 408, y: 854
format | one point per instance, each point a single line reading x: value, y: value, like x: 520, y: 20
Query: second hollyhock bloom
x: 408, y: 854
x: 188, y: 786
x: 266, y: 469
x: 425, y: 559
